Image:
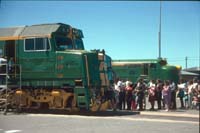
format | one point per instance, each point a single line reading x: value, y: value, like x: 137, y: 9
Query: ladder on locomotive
x: 6, y: 84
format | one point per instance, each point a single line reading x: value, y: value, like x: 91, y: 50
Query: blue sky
x: 126, y: 30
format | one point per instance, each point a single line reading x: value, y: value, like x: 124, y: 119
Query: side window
x: 47, y: 43
x: 153, y: 66
x: 145, y: 69
x: 29, y: 44
x: 36, y: 44
x: 1, y: 52
x: 39, y: 44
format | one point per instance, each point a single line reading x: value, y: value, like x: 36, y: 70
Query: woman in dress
x: 166, y: 92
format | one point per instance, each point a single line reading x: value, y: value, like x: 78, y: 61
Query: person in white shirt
x: 190, y: 93
x: 10, y: 64
x: 119, y: 94
x: 3, y: 60
x: 116, y: 91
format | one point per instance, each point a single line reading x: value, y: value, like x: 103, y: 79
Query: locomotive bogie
x: 55, y: 99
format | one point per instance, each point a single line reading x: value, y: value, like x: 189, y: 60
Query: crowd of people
x: 132, y: 96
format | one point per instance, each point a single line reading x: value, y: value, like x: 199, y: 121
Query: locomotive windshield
x: 77, y: 39
x: 63, y: 43
x: 163, y: 62
x: 79, y: 44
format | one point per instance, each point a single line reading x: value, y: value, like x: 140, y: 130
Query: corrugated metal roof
x: 135, y: 61
x: 34, y: 30
x: 40, y: 30
x: 188, y: 73
x: 11, y: 32
x: 126, y: 63
x: 192, y: 69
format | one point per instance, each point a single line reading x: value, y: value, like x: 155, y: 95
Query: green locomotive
x: 53, y: 70
x: 146, y: 68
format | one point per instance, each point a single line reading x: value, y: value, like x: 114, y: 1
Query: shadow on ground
x: 82, y: 112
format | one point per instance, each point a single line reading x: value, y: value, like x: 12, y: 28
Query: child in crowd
x: 133, y: 103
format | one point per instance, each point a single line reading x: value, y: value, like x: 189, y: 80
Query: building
x: 190, y: 73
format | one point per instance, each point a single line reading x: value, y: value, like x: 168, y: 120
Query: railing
x: 8, y: 74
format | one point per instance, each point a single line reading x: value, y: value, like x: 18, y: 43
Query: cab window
x: 163, y: 62
x: 63, y: 42
x: 79, y: 44
x: 153, y: 66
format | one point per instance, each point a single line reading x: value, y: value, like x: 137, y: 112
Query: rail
x: 8, y: 74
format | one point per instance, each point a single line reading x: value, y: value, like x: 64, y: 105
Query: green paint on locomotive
x: 52, y: 56
x: 149, y: 69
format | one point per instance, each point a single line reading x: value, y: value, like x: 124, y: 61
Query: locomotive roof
x: 137, y: 61
x: 14, y: 33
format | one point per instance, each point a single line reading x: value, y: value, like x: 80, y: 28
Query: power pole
x: 186, y: 59
x: 159, y: 35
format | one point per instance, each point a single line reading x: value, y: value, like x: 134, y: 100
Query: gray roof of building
x: 188, y: 73
x: 192, y: 69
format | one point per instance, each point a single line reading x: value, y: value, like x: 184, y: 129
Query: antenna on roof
x: 159, y: 35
